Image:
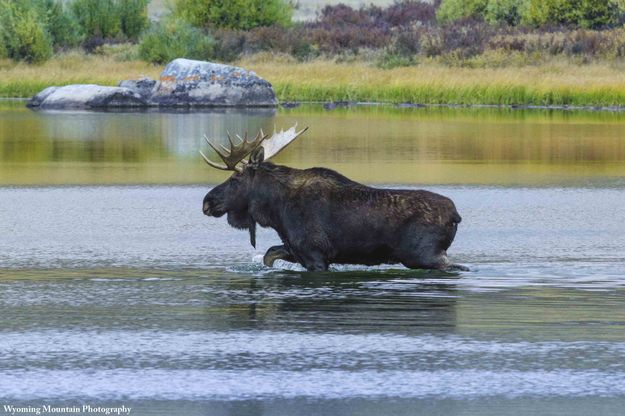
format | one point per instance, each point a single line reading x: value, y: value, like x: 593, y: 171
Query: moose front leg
x: 277, y: 253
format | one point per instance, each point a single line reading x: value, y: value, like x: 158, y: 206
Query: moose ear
x: 257, y: 157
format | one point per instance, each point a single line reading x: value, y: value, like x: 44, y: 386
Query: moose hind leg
x: 277, y: 253
x: 425, y: 248
x: 430, y: 260
x: 438, y: 261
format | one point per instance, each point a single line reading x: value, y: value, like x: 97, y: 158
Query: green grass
x: 25, y: 80
x: 555, y: 83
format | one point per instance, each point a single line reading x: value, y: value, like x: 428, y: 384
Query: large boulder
x: 144, y: 86
x: 86, y: 96
x: 185, y: 82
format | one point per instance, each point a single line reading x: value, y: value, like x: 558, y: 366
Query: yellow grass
x: 560, y: 83
x: 557, y: 83
x: 23, y: 80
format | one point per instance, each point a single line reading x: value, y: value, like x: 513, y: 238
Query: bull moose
x: 321, y: 216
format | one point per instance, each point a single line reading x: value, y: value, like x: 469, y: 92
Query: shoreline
x: 558, y: 85
x: 335, y: 105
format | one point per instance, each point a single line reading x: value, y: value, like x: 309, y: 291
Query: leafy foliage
x: 23, y: 31
x: 503, y: 11
x: 451, y: 10
x: 175, y: 38
x: 579, y: 13
x: 234, y: 14
x: 111, y: 18
x: 97, y: 17
x: 133, y: 17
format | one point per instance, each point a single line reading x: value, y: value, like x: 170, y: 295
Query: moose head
x: 233, y: 196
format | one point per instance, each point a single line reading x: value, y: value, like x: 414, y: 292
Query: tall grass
x: 559, y: 82
x: 24, y: 80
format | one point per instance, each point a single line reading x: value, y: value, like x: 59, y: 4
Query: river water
x: 116, y: 290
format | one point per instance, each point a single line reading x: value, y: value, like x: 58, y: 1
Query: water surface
x: 115, y: 289
x: 382, y: 145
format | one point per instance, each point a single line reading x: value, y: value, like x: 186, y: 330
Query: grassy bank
x: 24, y: 80
x: 548, y: 84
x: 559, y: 82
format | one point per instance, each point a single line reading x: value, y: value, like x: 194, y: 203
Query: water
x: 115, y: 289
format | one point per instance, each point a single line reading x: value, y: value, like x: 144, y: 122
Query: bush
x: 343, y: 29
x: 406, y: 12
x: 24, y: 33
x: 594, y: 13
x: 175, y: 38
x: 32, y: 42
x: 452, y: 10
x: 133, y: 17
x: 110, y: 19
x: 3, y: 49
x: 97, y: 17
x: 503, y: 11
x: 30, y: 29
x: 61, y: 24
x: 392, y: 60
x: 229, y: 44
x: 579, y: 13
x: 234, y: 14
x: 279, y: 40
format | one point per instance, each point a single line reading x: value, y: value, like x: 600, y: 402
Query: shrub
x: 109, y: 19
x: 392, y: 60
x: 451, y: 10
x: 406, y: 12
x: 61, y: 24
x: 97, y: 17
x: 32, y: 42
x: 234, y: 14
x: 133, y: 17
x: 343, y: 29
x: 229, y: 44
x: 503, y: 11
x: 277, y: 39
x: 407, y: 43
x: 175, y: 38
x: 29, y: 29
x: 24, y: 33
x: 580, y: 13
x: 596, y: 13
x: 3, y: 49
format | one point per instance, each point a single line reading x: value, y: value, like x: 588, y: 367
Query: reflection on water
x: 370, y: 144
x: 361, y: 339
x: 129, y: 295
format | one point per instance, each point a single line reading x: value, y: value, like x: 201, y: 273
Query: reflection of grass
x: 556, y: 83
x: 377, y: 144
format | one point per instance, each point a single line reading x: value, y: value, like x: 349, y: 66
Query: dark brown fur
x: 322, y: 217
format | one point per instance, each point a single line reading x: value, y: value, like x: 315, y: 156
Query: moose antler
x: 234, y: 155
x: 279, y: 140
